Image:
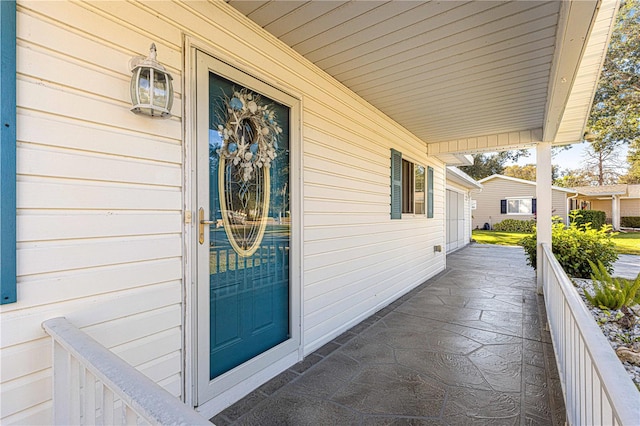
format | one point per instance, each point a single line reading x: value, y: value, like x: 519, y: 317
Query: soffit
x: 446, y: 71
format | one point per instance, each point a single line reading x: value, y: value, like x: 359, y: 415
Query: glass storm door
x: 244, y: 291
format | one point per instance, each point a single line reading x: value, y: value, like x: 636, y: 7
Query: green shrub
x: 630, y: 221
x: 515, y: 225
x: 574, y: 246
x: 612, y: 293
x: 596, y: 218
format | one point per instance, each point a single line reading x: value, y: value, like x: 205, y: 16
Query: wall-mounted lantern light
x: 151, y: 87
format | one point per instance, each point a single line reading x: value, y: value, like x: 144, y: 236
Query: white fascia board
x: 574, y: 27
x: 528, y: 182
x: 584, y: 31
x: 461, y: 178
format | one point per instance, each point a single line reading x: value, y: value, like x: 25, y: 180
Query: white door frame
x: 213, y: 396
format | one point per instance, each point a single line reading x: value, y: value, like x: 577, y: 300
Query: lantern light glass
x: 151, y: 86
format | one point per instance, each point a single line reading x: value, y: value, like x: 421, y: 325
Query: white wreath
x: 249, y: 134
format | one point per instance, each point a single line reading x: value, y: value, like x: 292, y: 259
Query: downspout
x: 477, y: 191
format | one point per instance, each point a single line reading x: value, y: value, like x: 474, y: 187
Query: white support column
x: 615, y: 212
x: 544, y: 201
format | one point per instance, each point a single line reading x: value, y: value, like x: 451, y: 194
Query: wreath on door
x: 249, y: 133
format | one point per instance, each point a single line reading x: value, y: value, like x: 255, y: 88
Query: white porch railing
x: 597, y: 389
x: 91, y: 385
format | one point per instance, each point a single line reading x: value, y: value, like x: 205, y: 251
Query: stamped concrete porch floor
x: 465, y: 347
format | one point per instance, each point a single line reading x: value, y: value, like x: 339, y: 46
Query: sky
x: 567, y: 159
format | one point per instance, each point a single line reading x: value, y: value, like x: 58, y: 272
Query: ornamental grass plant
x: 612, y: 293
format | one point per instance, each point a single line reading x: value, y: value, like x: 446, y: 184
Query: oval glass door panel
x: 250, y: 233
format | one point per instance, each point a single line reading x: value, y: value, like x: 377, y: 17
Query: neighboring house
x: 505, y: 197
x: 205, y: 253
x: 460, y: 187
x: 615, y: 200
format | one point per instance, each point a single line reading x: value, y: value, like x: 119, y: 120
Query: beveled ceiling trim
x: 487, y: 143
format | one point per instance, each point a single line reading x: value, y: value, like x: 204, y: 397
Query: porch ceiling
x: 462, y: 76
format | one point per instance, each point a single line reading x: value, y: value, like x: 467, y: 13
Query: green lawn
x: 627, y: 243
x: 500, y: 238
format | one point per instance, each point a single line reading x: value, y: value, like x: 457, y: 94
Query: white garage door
x: 455, y: 220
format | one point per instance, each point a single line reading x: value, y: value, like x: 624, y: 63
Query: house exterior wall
x: 101, y: 192
x: 602, y: 205
x: 628, y: 206
x: 496, y: 189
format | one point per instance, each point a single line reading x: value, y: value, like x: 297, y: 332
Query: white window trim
x: 413, y: 214
x: 527, y: 197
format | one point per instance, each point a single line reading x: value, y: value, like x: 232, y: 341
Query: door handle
x: 201, y: 223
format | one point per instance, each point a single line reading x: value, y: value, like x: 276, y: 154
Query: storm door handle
x: 202, y: 223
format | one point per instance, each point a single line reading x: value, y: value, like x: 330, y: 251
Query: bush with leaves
x: 596, y: 218
x: 630, y: 221
x: 612, y: 293
x: 515, y: 225
x: 575, y: 246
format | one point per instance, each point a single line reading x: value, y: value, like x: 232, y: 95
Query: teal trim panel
x: 8, y: 152
x: 430, y: 192
x: 396, y: 184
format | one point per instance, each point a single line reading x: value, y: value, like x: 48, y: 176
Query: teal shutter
x: 8, y: 152
x: 396, y: 184
x: 429, y: 192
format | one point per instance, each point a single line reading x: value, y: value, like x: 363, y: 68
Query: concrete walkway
x: 627, y: 266
x: 466, y: 347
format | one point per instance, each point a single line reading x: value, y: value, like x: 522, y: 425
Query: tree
x: 615, y: 115
x: 527, y: 172
x: 603, y: 165
x: 633, y: 157
x: 485, y: 165
x: 572, y: 178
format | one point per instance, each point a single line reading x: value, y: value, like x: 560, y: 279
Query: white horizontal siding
x: 346, y: 180
x: 25, y: 392
x: 98, y: 280
x: 494, y: 190
x: 100, y: 191
x: 356, y: 258
x: 118, y: 319
x: 99, y: 198
x: 346, y: 149
x: 630, y: 207
x: 68, y: 133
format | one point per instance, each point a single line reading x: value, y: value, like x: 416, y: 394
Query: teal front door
x: 244, y: 218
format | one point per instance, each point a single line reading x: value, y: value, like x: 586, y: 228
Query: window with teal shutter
x: 430, y: 192
x: 396, y: 184
x: 8, y: 152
